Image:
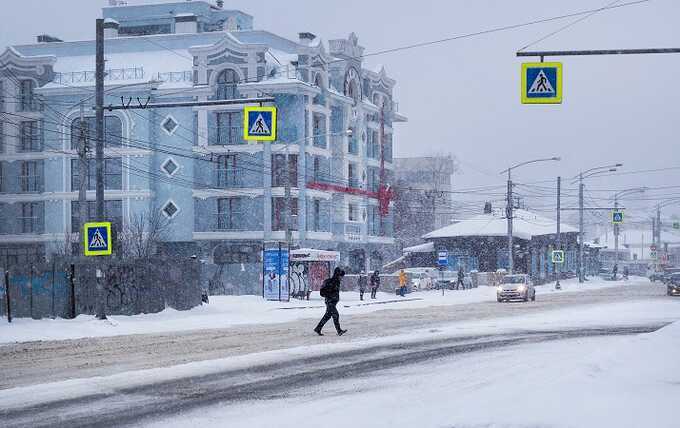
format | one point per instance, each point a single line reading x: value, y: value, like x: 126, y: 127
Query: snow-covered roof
x: 427, y: 247
x: 525, y: 226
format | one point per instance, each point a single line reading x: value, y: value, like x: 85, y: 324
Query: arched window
x: 318, y: 82
x: 226, y: 85
x: 113, y: 132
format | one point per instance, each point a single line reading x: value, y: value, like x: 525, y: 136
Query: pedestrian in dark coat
x: 331, y: 292
x: 362, y: 285
x: 375, y: 283
x: 461, y: 278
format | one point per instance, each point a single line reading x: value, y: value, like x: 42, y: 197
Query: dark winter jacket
x: 375, y: 281
x: 461, y: 275
x: 332, y: 286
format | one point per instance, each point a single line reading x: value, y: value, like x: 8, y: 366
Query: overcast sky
x: 463, y: 96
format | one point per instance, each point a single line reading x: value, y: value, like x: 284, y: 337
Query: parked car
x: 667, y: 273
x: 516, y: 287
x: 656, y: 276
x: 673, y: 285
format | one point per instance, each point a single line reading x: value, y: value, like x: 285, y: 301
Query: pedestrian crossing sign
x: 97, y: 238
x: 558, y: 256
x: 617, y: 217
x: 259, y: 123
x: 542, y: 83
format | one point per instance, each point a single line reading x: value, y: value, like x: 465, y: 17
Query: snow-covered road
x: 215, y: 371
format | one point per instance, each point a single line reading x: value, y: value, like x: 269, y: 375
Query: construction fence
x: 66, y: 289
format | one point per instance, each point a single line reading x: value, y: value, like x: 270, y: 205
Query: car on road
x: 656, y: 276
x: 673, y: 285
x: 667, y: 273
x: 516, y: 287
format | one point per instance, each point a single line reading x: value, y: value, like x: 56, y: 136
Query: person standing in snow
x: 402, y: 283
x: 615, y: 270
x: 461, y: 278
x: 362, y: 285
x: 330, y: 291
x: 375, y: 283
x: 625, y: 272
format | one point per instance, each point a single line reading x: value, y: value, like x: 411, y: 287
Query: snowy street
x: 207, y: 374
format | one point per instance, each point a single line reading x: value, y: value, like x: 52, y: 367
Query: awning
x: 313, y: 255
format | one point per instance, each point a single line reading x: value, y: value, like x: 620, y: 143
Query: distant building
x: 480, y: 243
x: 636, y: 245
x: 423, y: 198
x: 225, y: 197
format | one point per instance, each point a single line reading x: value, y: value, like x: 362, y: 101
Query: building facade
x: 422, y: 196
x: 224, y: 197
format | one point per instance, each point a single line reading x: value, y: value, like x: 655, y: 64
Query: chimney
x: 487, y: 208
x: 111, y: 27
x: 186, y: 23
x: 306, y: 36
x: 46, y: 38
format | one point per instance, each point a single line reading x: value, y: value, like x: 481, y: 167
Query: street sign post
x: 542, y: 83
x: 558, y: 256
x: 259, y: 123
x: 443, y: 263
x: 617, y: 217
x: 97, y: 239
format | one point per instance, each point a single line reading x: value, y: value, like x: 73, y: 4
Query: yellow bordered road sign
x: 97, y: 237
x: 541, y: 83
x: 259, y: 123
x: 558, y: 256
x: 617, y: 217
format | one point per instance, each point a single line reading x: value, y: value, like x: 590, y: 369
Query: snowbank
x: 226, y: 311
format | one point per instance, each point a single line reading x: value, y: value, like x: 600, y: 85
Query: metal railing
x: 232, y: 136
x: 86, y: 76
x: 226, y: 178
x: 175, y: 76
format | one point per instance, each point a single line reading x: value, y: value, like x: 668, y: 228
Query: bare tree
x: 141, y: 236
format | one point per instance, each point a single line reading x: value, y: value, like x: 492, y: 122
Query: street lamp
x: 618, y: 195
x: 509, y: 207
x: 580, y: 177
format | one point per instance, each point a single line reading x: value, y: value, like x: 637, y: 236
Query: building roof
x: 526, y: 225
x: 427, y: 247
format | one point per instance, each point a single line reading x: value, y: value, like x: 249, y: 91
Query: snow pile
x: 226, y: 311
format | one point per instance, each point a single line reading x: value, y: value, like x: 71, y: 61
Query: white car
x: 516, y: 287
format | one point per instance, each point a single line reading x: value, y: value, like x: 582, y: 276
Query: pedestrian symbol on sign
x: 617, y: 217
x: 541, y: 85
x: 558, y: 256
x: 259, y: 123
x: 97, y: 239
x: 260, y: 127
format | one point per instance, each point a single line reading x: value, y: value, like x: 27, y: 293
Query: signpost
x: 275, y: 274
x: 259, y: 123
x: 97, y: 238
x: 558, y: 256
x: 541, y: 83
x: 617, y: 217
x: 442, y: 263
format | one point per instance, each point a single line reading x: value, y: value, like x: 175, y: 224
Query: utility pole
x: 559, y: 238
x: 99, y: 121
x: 616, y: 234
x: 508, y: 214
x: 99, y: 155
x: 580, y: 229
x: 83, y: 174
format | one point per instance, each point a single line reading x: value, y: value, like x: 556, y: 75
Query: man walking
x: 331, y: 292
x: 362, y: 285
x: 375, y: 283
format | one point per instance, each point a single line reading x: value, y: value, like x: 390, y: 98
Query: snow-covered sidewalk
x: 227, y: 311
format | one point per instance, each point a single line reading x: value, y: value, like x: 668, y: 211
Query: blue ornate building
x: 224, y: 197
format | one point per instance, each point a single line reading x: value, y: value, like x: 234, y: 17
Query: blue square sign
x: 259, y: 123
x: 97, y: 239
x: 542, y: 83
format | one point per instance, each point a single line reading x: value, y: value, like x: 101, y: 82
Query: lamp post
x: 618, y: 195
x: 509, y: 207
x: 580, y: 177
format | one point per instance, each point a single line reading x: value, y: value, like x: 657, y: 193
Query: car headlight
x: 499, y: 288
x: 521, y: 288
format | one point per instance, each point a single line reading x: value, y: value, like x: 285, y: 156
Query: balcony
x: 232, y: 136
x: 227, y: 222
x: 75, y: 77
